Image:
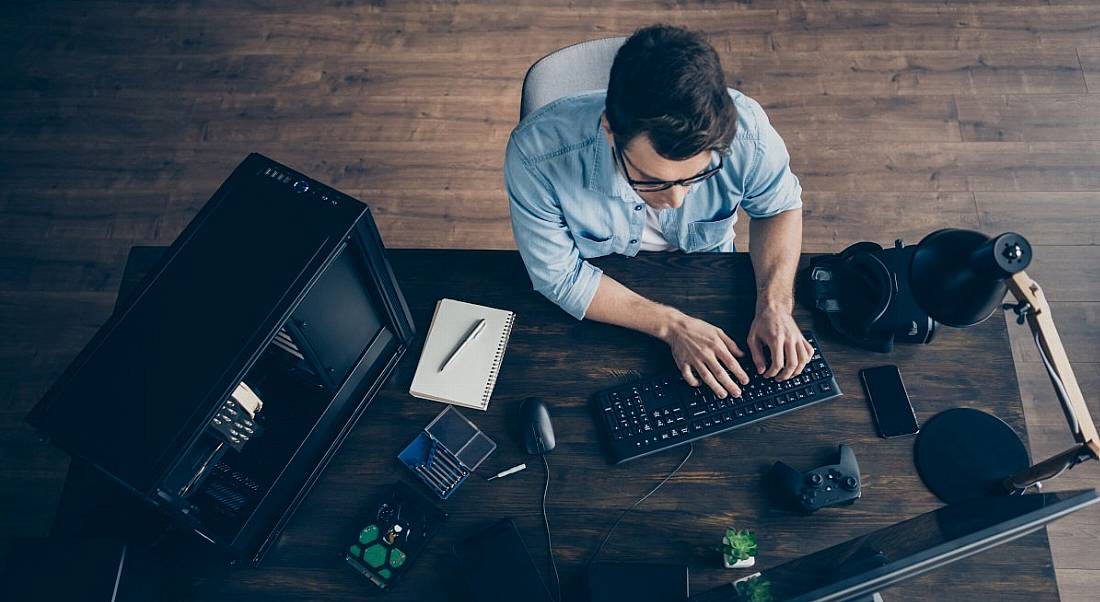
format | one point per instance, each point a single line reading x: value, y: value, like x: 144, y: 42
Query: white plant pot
x: 740, y: 564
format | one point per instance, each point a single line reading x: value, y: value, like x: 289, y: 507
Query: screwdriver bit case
x: 447, y: 452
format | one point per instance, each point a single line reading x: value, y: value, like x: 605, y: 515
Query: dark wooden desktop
x: 564, y: 361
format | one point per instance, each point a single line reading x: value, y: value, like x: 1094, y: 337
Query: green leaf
x: 741, y: 545
x: 755, y: 589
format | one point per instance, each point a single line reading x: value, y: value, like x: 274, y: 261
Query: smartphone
x: 889, y: 401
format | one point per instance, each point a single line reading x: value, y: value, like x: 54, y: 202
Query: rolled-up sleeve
x: 545, y: 243
x: 770, y: 188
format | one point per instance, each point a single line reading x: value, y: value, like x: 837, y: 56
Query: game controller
x: 812, y: 490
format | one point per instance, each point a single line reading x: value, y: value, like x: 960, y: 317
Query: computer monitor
x: 860, y: 567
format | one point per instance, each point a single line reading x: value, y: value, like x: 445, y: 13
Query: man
x: 661, y: 161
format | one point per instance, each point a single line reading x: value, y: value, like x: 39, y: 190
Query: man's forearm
x: 618, y: 305
x: 775, y: 244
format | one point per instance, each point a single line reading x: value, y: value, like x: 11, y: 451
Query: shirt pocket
x: 707, y: 235
x: 591, y: 247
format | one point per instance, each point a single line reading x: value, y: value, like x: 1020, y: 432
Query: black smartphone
x: 890, y: 405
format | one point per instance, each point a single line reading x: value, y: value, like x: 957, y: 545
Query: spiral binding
x: 497, y: 359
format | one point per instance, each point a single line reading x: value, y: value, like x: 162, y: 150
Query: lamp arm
x: 1049, y: 468
x: 1036, y: 311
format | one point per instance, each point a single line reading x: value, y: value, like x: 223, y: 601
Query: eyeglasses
x: 659, y: 185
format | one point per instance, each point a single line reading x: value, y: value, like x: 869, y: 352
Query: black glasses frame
x: 659, y: 185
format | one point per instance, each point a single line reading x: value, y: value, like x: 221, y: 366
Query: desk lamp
x: 960, y: 278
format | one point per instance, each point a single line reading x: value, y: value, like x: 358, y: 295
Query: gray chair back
x: 576, y: 68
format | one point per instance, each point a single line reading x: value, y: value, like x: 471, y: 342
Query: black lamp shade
x: 957, y: 276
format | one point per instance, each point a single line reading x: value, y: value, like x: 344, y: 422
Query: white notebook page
x: 469, y: 379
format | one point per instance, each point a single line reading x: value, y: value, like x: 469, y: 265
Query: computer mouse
x: 538, y: 432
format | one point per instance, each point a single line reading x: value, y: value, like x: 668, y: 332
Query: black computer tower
x: 280, y: 283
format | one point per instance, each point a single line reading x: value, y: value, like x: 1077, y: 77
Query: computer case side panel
x: 349, y: 402
x: 42, y: 415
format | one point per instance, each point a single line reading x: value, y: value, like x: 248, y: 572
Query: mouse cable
x: 546, y: 523
x: 687, y: 456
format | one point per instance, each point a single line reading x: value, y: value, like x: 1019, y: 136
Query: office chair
x: 577, y: 68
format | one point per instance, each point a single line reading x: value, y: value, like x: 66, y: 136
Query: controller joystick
x: 831, y: 485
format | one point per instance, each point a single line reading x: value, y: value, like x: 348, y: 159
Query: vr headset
x: 863, y: 293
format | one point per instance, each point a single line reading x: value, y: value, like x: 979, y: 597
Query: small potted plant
x: 754, y: 588
x: 738, y: 549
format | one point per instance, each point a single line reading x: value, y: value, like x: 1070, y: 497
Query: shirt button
x: 633, y: 241
x: 637, y: 207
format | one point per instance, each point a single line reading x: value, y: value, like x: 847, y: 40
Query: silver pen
x: 476, y: 330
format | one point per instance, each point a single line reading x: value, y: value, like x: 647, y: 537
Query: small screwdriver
x: 505, y: 473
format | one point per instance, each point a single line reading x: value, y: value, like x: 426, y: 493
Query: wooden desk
x: 564, y: 361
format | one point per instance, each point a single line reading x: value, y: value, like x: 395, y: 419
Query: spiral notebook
x: 469, y: 379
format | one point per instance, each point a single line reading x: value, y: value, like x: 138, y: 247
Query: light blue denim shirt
x: 569, y: 201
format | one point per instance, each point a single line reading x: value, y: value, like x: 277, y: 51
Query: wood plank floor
x: 118, y: 119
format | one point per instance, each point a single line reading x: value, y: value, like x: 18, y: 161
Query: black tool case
x: 279, y: 282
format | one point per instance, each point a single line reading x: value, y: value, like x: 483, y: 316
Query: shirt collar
x: 604, y: 176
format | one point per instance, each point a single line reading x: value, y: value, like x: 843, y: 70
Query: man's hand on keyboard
x: 778, y: 332
x: 703, y: 349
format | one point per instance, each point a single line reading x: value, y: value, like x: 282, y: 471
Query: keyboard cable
x: 546, y: 523
x: 599, y: 548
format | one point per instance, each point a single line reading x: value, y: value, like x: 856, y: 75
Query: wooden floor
x: 119, y: 119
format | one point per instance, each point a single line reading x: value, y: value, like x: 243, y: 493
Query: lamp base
x: 964, y: 453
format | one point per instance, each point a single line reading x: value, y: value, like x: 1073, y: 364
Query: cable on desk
x: 1059, y: 386
x: 546, y: 522
x: 687, y: 456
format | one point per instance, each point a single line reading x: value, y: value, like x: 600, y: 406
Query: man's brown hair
x: 667, y: 82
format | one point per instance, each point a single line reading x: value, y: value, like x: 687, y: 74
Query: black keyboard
x: 654, y: 414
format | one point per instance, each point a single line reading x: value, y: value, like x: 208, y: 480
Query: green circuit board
x: 399, y: 525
